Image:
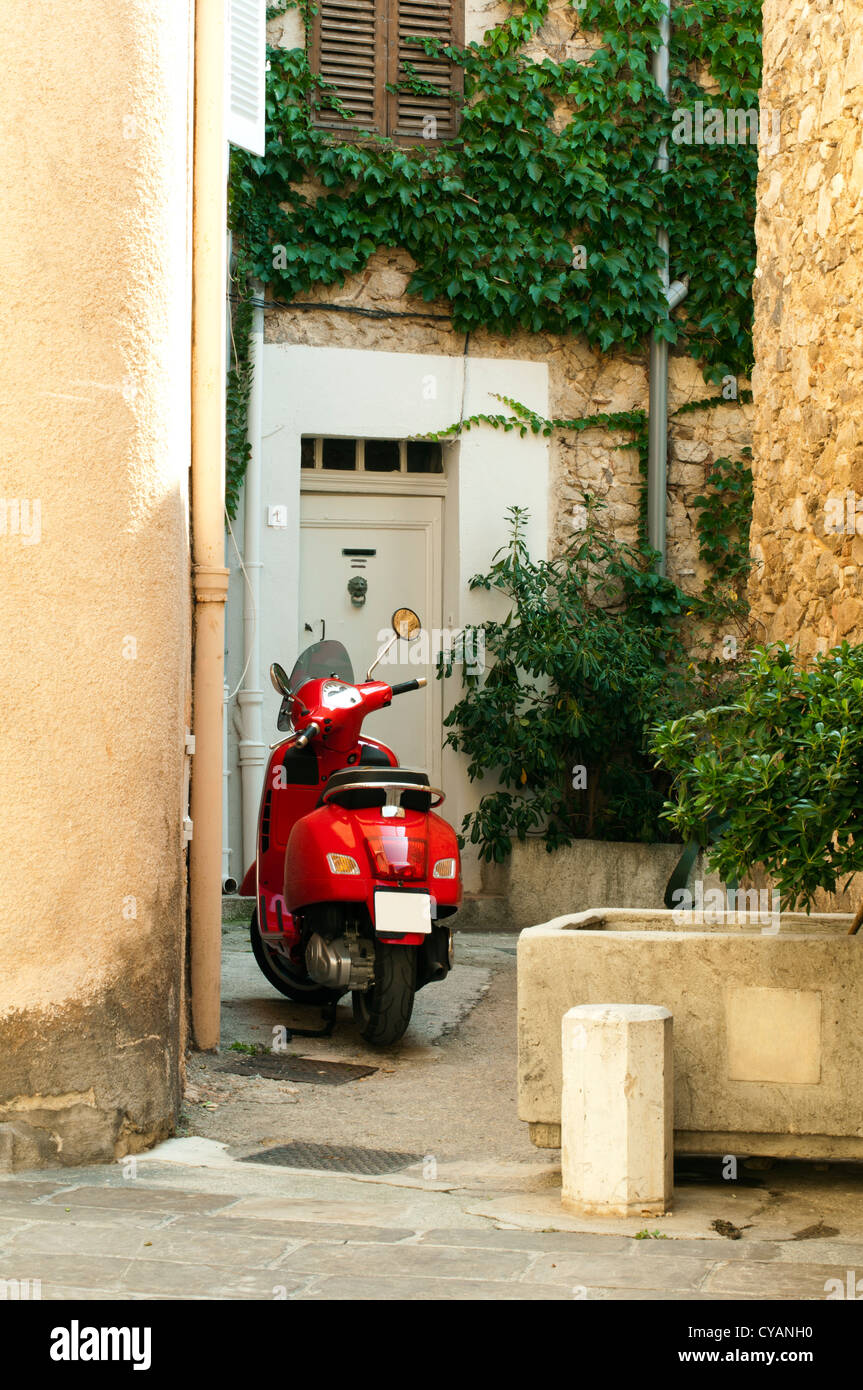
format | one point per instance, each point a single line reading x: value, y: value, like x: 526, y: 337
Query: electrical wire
x: 260, y: 303
x: 254, y: 608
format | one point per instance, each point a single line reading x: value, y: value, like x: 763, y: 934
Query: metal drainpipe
x: 209, y: 574
x: 252, y: 750
x: 229, y: 883
x: 657, y: 453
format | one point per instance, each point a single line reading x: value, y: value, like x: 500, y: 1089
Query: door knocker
x: 358, y: 588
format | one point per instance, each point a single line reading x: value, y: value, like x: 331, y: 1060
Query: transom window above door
x: 361, y: 48
x: 371, y: 455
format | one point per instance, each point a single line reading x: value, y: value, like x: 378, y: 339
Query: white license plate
x: 402, y: 912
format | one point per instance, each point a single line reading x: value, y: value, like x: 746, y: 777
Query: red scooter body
x: 355, y: 873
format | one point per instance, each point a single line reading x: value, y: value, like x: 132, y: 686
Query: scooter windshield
x: 319, y: 660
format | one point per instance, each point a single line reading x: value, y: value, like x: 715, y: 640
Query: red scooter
x: 355, y: 874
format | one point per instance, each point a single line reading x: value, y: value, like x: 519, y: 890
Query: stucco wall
x: 806, y: 587
x: 94, y: 319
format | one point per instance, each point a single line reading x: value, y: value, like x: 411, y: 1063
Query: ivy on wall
x: 724, y: 509
x: 543, y: 213
x: 237, y: 446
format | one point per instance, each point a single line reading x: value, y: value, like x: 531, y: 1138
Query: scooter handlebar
x: 409, y: 685
x: 309, y: 732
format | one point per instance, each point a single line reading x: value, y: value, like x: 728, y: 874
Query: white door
x: 394, y: 544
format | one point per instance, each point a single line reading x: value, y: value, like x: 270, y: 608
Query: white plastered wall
x: 360, y: 394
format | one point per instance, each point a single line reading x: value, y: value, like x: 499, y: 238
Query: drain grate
x: 281, y: 1066
x: 334, y: 1158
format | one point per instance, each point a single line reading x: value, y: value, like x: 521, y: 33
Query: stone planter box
x: 534, y: 885
x: 768, y: 1028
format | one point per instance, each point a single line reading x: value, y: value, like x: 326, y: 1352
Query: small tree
x: 781, y: 769
x: 586, y: 661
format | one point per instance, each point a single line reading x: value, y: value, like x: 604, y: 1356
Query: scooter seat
x: 357, y: 798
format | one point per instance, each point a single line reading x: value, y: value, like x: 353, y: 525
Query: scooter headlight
x: 342, y: 864
x: 444, y: 868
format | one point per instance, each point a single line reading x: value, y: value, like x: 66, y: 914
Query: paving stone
x: 135, y: 1197
x: 80, y: 1271
x: 774, y: 1280
x: 822, y: 1252
x: 68, y: 1293
x: 20, y: 1191
x: 621, y: 1271
x: 659, y: 1296
x: 533, y: 1241
x: 410, y: 1289
x: 9, y: 1227
x: 65, y: 1293
x: 335, y: 1232
x: 238, y: 1251
x: 40, y: 1214
x: 394, y: 1261
x: 210, y: 1281
x: 714, y: 1250
x: 78, y: 1239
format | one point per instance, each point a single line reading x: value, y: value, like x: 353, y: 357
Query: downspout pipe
x: 252, y: 750
x: 209, y: 573
x: 229, y: 882
x: 657, y: 444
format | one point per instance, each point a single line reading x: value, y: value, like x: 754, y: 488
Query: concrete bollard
x: 617, y: 1110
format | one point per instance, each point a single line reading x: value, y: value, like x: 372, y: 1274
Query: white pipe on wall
x: 657, y: 448
x: 657, y: 437
x: 229, y: 883
x: 252, y: 749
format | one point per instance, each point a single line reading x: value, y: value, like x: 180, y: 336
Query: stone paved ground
x: 98, y: 1241
x: 196, y: 1219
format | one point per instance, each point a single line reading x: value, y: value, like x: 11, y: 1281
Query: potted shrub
x: 779, y: 771
x: 588, y: 659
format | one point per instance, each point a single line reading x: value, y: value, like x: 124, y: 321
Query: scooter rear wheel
x: 274, y: 967
x: 383, y: 1012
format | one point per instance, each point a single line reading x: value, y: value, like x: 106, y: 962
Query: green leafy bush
x: 588, y: 658
x: 779, y: 769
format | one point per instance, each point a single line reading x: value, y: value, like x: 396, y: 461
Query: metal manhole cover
x: 281, y: 1066
x: 334, y: 1158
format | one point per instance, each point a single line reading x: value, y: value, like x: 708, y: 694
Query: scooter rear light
x: 444, y: 868
x: 342, y: 864
x: 398, y: 856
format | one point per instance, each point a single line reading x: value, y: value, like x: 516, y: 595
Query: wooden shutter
x: 412, y: 116
x: 247, y: 61
x: 349, y: 50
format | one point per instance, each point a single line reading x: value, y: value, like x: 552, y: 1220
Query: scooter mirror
x: 406, y: 624
x: 279, y: 678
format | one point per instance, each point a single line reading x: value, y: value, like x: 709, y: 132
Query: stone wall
x: 806, y: 587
